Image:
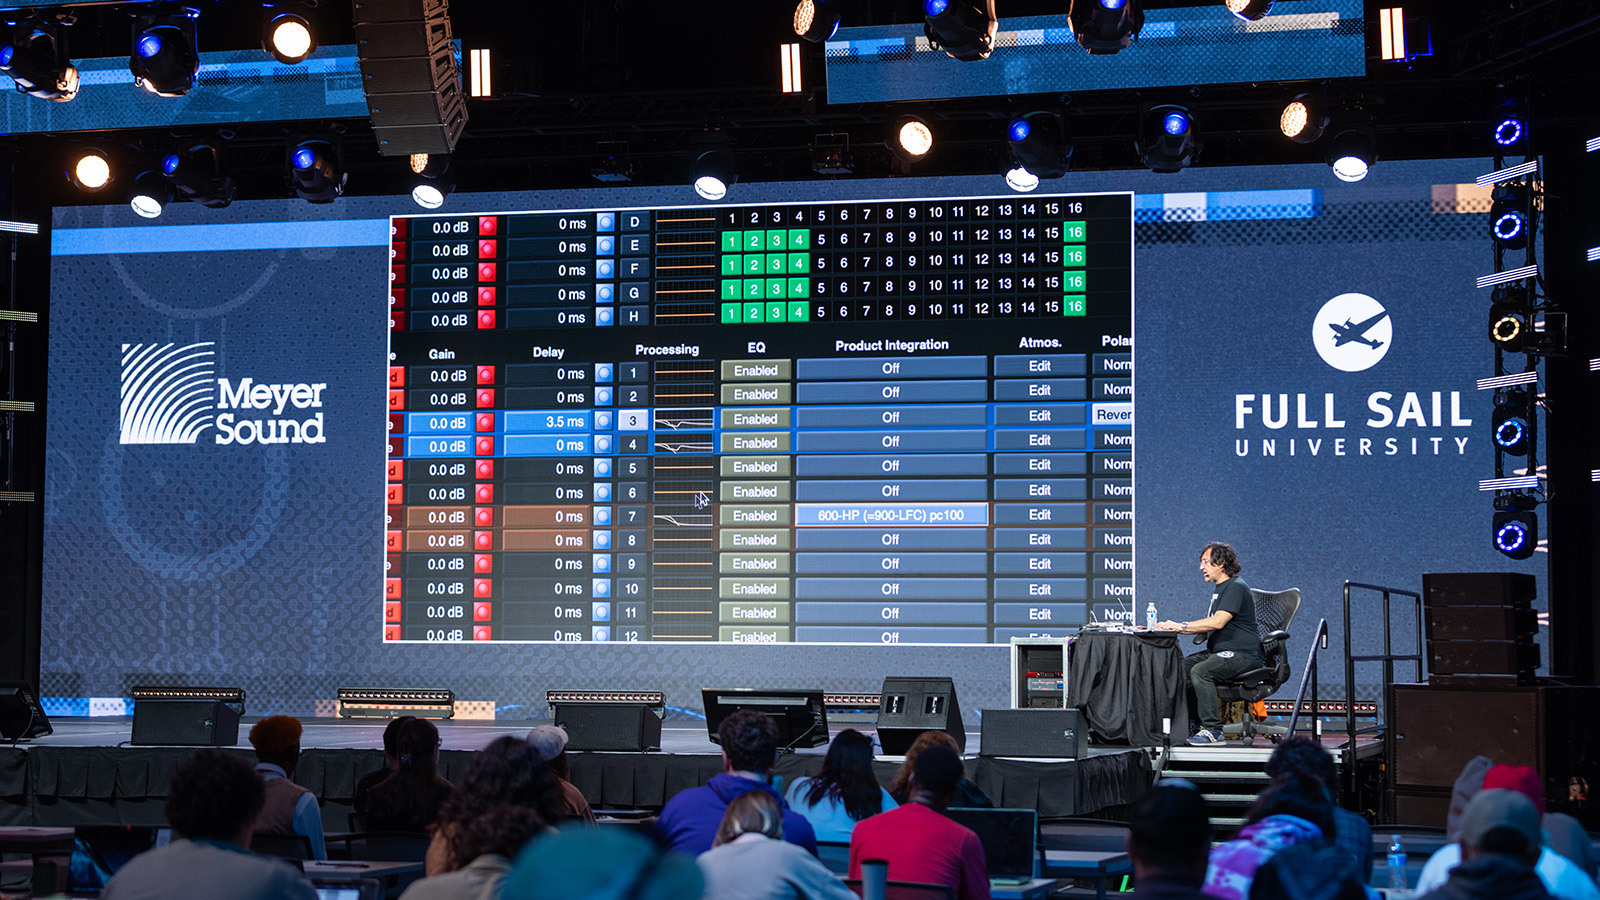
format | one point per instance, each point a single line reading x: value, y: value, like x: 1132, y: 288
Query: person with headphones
x: 1234, y: 645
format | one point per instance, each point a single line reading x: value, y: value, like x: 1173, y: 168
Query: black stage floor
x: 84, y: 773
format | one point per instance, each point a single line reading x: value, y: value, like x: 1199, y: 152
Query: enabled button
x: 756, y: 613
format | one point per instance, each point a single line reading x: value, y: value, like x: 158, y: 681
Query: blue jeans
x: 1202, y: 671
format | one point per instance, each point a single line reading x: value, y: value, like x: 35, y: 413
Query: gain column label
x: 755, y: 490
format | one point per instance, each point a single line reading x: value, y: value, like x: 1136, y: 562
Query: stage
x: 85, y: 774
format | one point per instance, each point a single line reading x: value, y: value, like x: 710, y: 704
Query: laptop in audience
x: 98, y: 851
x: 1010, y: 840
x: 365, y: 889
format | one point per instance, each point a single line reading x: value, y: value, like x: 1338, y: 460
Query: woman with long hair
x: 844, y: 792
x: 506, y: 782
x: 750, y: 860
x: 409, y: 799
x: 1292, y: 810
x: 967, y: 793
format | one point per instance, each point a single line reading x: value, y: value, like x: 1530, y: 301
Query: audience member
x: 1303, y: 757
x: 750, y: 860
x: 1290, y: 811
x: 507, y: 773
x: 212, y: 804
x: 749, y: 740
x: 1169, y: 838
x: 1562, y: 833
x: 967, y: 793
x: 551, y: 742
x: 921, y: 844
x: 489, y: 840
x: 391, y: 762
x: 409, y: 799
x: 1561, y: 876
x: 1499, y: 845
x: 608, y: 862
x: 290, y: 808
x: 844, y: 792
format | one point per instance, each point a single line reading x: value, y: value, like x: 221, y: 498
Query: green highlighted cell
x: 754, y: 241
x: 1074, y: 305
x: 799, y: 311
x: 799, y: 239
x: 798, y: 287
x: 1073, y: 282
x: 775, y: 310
x: 732, y: 289
x: 777, y: 263
x: 1074, y: 256
x: 754, y: 264
x: 799, y: 263
x: 1074, y: 232
x: 732, y: 314
x: 730, y: 241
x: 732, y: 264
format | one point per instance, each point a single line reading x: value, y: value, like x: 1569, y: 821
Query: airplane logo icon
x: 1362, y: 332
x: 1357, y: 333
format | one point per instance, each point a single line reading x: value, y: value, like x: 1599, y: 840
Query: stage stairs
x: 1229, y: 778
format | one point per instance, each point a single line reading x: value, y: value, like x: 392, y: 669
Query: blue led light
x: 935, y: 7
x: 1511, y: 537
x: 1020, y: 129
x: 303, y: 157
x: 149, y: 44
x: 6, y: 53
x: 1175, y: 123
x: 1509, y: 225
x: 1509, y: 131
x: 1510, y: 432
x: 169, y: 163
x: 1112, y: 4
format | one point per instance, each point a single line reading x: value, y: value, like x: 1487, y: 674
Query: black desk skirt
x: 1125, y: 684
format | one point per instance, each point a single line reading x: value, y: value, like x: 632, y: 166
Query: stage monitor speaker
x: 909, y: 706
x: 1441, y: 590
x: 626, y: 727
x: 21, y: 716
x: 410, y: 75
x: 1047, y: 733
x: 184, y: 723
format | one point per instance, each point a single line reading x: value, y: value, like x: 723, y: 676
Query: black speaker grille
x: 1053, y: 733
x: 625, y: 727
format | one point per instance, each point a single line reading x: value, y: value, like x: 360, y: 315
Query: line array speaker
x: 410, y: 75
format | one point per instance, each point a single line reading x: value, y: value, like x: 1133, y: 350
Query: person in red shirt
x: 920, y: 844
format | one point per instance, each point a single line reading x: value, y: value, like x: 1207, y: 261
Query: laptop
x: 99, y: 851
x: 1010, y: 840
x: 365, y: 889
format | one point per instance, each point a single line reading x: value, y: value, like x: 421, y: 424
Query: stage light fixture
x: 830, y: 154
x: 1105, y: 26
x: 1021, y: 180
x: 1167, y: 141
x: 910, y: 138
x: 1510, y: 427
x: 151, y: 194
x: 36, y: 60
x: 165, y: 58
x: 197, y: 175
x: 1509, y: 222
x: 963, y: 29
x: 714, y: 172
x: 289, y: 38
x: 1038, y: 145
x: 315, y: 172
x: 1303, y: 119
x: 1516, y: 533
x: 90, y: 170
x: 432, y: 182
x: 818, y: 20
x: 1249, y: 10
x: 1511, y: 125
x: 1352, y: 153
x: 614, y: 164
x: 1508, y: 326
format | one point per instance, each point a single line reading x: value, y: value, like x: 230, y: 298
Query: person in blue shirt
x: 844, y: 792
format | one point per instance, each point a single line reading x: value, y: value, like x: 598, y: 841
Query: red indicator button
x: 486, y: 421
x: 397, y: 376
x: 391, y: 591
x: 483, y: 517
x: 488, y: 225
x: 485, y: 468
x: 396, y: 494
x: 391, y: 632
x: 481, y: 633
x: 487, y: 271
x: 486, y: 319
x: 394, y: 541
x: 486, y: 296
x: 397, y: 400
x: 391, y: 612
x: 486, y: 374
x: 488, y: 249
x: 483, y: 588
x: 483, y: 540
x: 485, y: 397
x: 485, y: 446
x: 483, y: 493
x: 482, y: 612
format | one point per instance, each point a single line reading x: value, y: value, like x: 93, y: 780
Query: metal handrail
x: 1308, y: 674
x: 1388, y: 657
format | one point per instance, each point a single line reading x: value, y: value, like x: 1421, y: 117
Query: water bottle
x: 1150, y: 617
x: 1397, y: 866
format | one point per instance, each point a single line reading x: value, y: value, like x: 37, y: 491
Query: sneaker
x: 1205, y: 737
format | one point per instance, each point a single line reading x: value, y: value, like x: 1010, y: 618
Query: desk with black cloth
x: 1125, y: 684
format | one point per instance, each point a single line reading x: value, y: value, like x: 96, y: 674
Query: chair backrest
x: 907, y: 890
x: 1275, y: 609
x: 285, y: 846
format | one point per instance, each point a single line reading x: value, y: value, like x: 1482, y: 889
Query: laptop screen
x: 365, y: 889
x: 1009, y: 836
x: 98, y: 851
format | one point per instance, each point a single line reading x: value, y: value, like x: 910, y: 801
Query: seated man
x: 290, y: 808
x: 1499, y: 844
x: 212, y: 804
x: 920, y: 844
x: 749, y: 739
x: 1233, y: 648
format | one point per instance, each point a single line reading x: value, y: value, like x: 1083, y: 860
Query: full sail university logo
x: 172, y: 395
x: 1352, y: 332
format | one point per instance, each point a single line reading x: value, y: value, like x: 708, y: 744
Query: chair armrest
x: 1280, y: 635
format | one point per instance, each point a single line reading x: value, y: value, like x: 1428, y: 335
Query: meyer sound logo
x: 171, y: 395
x: 1352, y: 332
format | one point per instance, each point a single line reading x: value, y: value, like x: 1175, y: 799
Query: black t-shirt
x: 1240, y: 634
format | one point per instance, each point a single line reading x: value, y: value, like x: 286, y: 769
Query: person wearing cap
x: 1499, y: 846
x: 1169, y: 839
x: 918, y: 841
x: 551, y: 744
x: 1563, y: 878
x: 290, y: 808
x: 1562, y: 833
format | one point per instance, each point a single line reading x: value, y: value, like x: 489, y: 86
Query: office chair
x: 1274, y: 613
